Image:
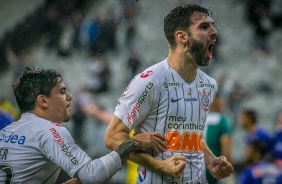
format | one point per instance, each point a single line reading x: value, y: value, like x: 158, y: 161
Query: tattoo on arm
x: 125, y: 148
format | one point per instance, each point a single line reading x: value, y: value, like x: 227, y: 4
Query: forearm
x: 144, y: 159
x: 100, y: 170
x: 140, y: 157
x: 225, y: 142
x: 208, y: 155
x: 126, y: 148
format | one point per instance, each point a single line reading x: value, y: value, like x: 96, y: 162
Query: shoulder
x: 152, y: 76
x: 44, y: 129
x: 262, y: 131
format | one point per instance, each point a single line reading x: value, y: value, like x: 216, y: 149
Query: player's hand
x: 220, y: 168
x: 173, y: 166
x: 153, y: 140
x: 73, y: 181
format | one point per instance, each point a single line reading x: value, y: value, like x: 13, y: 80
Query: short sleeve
x: 137, y: 100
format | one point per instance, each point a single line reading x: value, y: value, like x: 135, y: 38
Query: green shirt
x: 216, y: 126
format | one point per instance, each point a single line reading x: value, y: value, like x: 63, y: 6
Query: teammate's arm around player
x: 117, y: 132
x: 219, y: 167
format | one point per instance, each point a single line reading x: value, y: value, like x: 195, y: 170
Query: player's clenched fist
x: 173, y: 166
x: 220, y: 168
x: 153, y: 140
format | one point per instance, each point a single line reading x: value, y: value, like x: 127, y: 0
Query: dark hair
x: 251, y: 114
x: 32, y: 83
x: 260, y: 147
x: 179, y: 19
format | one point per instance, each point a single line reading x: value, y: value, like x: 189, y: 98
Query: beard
x: 197, y: 51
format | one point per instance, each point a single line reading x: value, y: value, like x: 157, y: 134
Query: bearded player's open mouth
x: 210, y: 49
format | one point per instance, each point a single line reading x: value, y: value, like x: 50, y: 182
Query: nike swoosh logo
x: 175, y: 100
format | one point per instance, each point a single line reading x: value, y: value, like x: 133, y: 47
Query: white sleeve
x: 56, y: 143
x: 136, y: 101
x: 100, y: 170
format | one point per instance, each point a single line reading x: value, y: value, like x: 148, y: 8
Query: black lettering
x: 3, y: 153
x: 69, y: 154
x: 64, y: 148
x: 74, y: 161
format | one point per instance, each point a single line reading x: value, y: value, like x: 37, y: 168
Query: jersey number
x: 8, y: 173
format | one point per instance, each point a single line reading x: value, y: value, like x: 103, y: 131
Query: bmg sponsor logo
x: 136, y: 107
x: 186, y: 142
x: 60, y: 141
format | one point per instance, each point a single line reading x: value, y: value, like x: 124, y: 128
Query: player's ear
x: 41, y: 101
x: 181, y: 37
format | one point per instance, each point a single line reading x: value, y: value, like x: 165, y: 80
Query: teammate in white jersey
x: 37, y: 146
x: 168, y: 103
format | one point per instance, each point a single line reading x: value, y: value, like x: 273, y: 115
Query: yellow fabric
x: 8, y: 107
x: 131, y: 169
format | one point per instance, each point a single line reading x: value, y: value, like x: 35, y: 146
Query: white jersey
x: 159, y: 100
x: 33, y: 150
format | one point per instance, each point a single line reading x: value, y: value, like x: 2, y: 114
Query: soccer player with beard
x: 167, y: 105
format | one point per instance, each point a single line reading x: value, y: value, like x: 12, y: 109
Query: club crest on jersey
x: 142, y: 174
x: 146, y: 74
x: 204, y: 99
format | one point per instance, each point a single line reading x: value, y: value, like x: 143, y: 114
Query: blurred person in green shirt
x: 218, y: 133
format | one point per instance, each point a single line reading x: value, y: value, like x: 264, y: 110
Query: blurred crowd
x: 65, y: 31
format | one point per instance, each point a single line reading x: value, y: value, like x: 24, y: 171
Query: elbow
x: 107, y: 141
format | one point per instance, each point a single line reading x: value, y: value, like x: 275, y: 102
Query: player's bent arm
x: 117, y: 132
x: 173, y: 166
x: 208, y: 155
x: 102, y: 169
x: 219, y: 167
x: 99, y: 170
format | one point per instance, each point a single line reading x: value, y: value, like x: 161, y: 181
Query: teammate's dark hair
x: 179, y: 19
x: 251, y: 114
x: 32, y: 83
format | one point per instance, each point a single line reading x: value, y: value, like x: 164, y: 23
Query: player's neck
x: 183, y: 65
x: 44, y: 115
